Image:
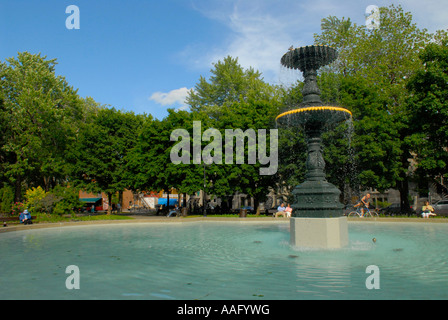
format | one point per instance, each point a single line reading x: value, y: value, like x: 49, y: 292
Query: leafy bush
x: 34, y: 198
x: 17, y: 208
x: 60, y: 200
x: 49, y: 201
x: 384, y: 204
x: 67, y: 200
x: 6, y: 199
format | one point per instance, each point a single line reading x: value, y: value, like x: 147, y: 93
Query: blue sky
x: 144, y: 55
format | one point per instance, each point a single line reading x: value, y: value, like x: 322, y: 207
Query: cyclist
x: 364, y: 203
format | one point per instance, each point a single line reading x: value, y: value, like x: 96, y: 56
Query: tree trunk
x: 109, y: 208
x: 120, y: 200
x: 403, y: 187
x: 257, y: 206
x: 46, y: 183
x: 18, y: 189
x: 167, y: 202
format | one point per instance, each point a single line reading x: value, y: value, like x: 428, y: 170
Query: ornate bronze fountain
x: 316, y: 197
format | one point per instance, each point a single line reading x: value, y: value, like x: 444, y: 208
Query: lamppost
x: 204, y: 202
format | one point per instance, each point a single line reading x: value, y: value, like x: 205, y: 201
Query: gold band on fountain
x: 312, y: 109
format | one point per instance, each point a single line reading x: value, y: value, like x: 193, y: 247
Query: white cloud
x: 173, y: 98
x: 261, y: 31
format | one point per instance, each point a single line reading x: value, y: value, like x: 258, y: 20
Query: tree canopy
x: 99, y: 155
x: 428, y: 105
x: 370, y: 78
x: 39, y: 115
x: 393, y: 79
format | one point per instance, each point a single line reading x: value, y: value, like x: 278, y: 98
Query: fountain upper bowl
x: 309, y: 57
x: 317, y: 114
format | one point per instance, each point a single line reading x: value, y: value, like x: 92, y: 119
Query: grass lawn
x: 235, y: 215
x: 54, y: 218
x: 47, y: 218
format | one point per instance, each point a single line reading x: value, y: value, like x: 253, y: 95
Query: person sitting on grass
x: 25, y: 217
x: 427, y: 210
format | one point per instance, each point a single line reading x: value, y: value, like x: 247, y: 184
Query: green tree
x: 150, y: 160
x: 376, y: 141
x: 249, y: 116
x: 385, y: 58
x: 100, y: 154
x: 34, y: 198
x: 65, y: 200
x: 429, y: 110
x: 185, y: 178
x: 39, y: 116
x: 236, y: 98
x: 229, y: 83
x: 6, y: 199
x: 343, y: 35
x: 3, y: 137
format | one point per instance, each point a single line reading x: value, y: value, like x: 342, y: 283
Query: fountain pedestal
x: 317, y: 217
x: 320, y: 233
x: 316, y: 197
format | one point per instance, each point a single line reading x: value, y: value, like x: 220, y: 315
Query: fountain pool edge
x: 202, y: 219
x: 153, y: 220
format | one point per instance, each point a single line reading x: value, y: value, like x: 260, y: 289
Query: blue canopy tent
x: 163, y: 201
x: 91, y: 200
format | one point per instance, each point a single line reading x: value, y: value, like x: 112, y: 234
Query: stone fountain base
x: 321, y: 233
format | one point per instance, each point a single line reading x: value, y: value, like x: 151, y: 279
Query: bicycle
x: 367, y: 213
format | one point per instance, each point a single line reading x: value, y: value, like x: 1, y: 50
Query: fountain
x: 216, y: 260
x: 317, y: 218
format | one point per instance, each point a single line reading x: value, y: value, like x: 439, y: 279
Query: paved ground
x: 162, y: 219
x: 137, y: 219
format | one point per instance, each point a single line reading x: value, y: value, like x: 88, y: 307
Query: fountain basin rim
x: 314, y: 46
x: 309, y: 57
x: 318, y: 108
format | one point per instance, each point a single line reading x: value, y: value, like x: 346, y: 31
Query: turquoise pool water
x: 214, y: 261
